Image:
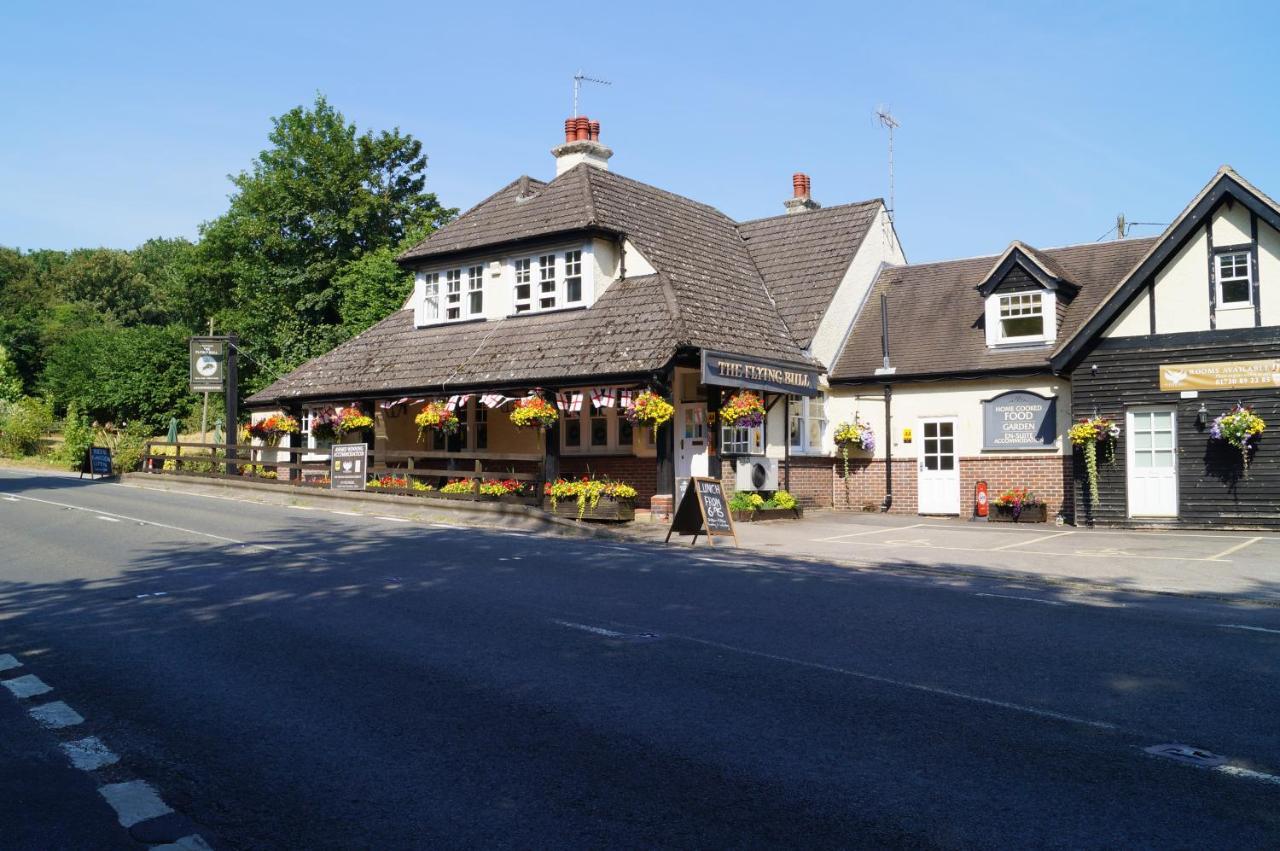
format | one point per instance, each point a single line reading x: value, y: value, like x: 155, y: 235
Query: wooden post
x: 233, y: 403
x: 551, y: 453
x: 715, y: 466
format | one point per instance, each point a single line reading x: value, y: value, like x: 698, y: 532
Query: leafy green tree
x: 122, y: 375
x: 10, y: 380
x: 321, y: 197
x: 77, y: 437
x: 109, y: 282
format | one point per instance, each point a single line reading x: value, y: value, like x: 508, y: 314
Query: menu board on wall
x: 1020, y: 419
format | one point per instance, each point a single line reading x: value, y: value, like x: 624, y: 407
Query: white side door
x: 939, y: 477
x: 1152, y: 461
x: 691, y: 444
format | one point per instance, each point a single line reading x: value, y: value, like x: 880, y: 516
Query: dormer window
x: 1021, y: 317
x: 546, y: 282
x: 453, y: 295
x: 475, y: 291
x: 523, y: 296
x: 1234, y: 289
x: 431, y: 296
x: 573, y: 277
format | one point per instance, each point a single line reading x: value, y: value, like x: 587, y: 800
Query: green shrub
x: 782, y: 499
x: 127, y: 446
x: 22, y: 424
x: 77, y: 437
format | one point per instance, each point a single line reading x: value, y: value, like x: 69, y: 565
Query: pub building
x: 591, y: 287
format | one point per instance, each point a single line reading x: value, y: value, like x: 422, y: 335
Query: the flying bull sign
x: 1019, y: 420
x: 758, y: 374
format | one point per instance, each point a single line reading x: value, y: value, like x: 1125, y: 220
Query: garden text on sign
x: 1019, y: 419
x: 703, y: 510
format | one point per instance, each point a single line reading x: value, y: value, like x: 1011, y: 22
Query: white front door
x: 691, y: 444
x: 939, y: 481
x: 1152, y: 462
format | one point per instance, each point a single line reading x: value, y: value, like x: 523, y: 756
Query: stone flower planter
x: 1030, y: 514
x: 613, y: 510
x: 760, y: 514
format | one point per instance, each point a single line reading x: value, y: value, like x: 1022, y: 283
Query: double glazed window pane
x: 1021, y: 315
x: 573, y: 276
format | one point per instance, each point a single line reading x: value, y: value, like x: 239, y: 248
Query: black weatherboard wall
x: 1212, y: 487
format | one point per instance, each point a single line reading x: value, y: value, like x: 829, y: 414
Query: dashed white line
x: 8, y: 662
x: 1249, y: 628
x: 1027, y: 599
x: 344, y: 513
x: 109, y: 519
x: 134, y: 801
x: 56, y: 715
x: 89, y: 753
x: 1248, y: 774
x: 392, y: 519
x: 594, y: 630
x: 10, y: 499
x: 28, y: 686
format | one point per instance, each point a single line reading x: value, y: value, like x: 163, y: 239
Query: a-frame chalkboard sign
x: 97, y: 462
x: 703, y: 510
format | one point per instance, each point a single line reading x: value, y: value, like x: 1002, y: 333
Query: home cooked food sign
x: 1019, y: 419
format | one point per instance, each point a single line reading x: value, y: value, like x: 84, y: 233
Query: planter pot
x: 467, y: 496
x: 1030, y: 514
x: 613, y: 510
x: 741, y: 516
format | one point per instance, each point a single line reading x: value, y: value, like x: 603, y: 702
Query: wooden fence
x: 423, y: 471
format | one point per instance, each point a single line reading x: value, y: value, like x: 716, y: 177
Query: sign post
x: 348, y: 466
x: 213, y: 370
x: 703, y: 510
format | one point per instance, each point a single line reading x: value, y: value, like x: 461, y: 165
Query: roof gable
x: 1042, y: 268
x: 1225, y: 184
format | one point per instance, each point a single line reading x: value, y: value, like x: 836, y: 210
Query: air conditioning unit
x: 757, y: 473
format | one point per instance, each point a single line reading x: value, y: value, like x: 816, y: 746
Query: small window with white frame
x: 522, y: 297
x: 1021, y: 317
x: 808, y: 423
x: 475, y: 291
x: 572, y: 277
x: 737, y: 440
x: 453, y: 294
x: 430, y: 297
x: 546, y: 282
x: 1234, y: 286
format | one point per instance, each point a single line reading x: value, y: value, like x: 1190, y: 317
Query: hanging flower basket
x: 743, y: 410
x: 1240, y: 428
x: 271, y: 429
x: 350, y: 419
x: 324, y: 424
x: 1094, y: 436
x: 435, y: 417
x: 649, y: 409
x: 534, y: 412
x: 854, y: 435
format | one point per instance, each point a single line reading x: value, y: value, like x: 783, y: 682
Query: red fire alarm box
x: 980, y: 506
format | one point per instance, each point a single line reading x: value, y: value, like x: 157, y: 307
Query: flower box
x: 615, y: 510
x: 1030, y: 514
x: 761, y: 514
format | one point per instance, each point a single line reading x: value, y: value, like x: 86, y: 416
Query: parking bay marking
x: 1240, y: 546
x: 1249, y: 628
x: 1029, y: 543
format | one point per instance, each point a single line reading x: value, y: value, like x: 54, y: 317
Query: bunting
x: 603, y: 397
x: 493, y: 400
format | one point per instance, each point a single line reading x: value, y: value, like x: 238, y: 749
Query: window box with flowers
x: 592, y: 499
x: 508, y: 491
x: 1019, y: 505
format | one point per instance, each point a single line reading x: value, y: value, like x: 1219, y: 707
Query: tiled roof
x: 714, y: 289
x: 936, y: 313
x: 804, y: 256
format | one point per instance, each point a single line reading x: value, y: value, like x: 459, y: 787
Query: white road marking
x: 138, y: 520
x: 10, y: 499
x: 1028, y: 599
x: 875, y: 678
x: 8, y: 663
x: 344, y: 513
x: 1240, y: 546
x: 1250, y: 628
x: 1247, y: 773
x: 28, y: 686
x: 594, y: 630
x: 450, y: 526
x: 867, y: 532
x: 393, y: 519
x: 194, y: 842
x: 89, y: 753
x: 56, y: 715
x: 109, y: 519
x: 301, y: 507
x: 1037, y: 540
x: 134, y: 801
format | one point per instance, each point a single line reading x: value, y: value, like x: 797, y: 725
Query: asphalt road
x: 309, y: 679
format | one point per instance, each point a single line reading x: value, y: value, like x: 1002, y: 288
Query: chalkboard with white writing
x: 703, y: 510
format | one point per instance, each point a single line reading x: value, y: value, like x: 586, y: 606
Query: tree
x: 10, y: 380
x: 321, y: 197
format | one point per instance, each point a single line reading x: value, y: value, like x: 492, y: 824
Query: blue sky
x: 1019, y: 120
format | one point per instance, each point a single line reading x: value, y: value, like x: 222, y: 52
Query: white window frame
x: 1247, y: 278
x: 613, y: 419
x: 801, y: 411
x: 994, y: 315
x: 475, y: 292
x: 453, y: 295
x: 521, y: 276
x: 572, y: 260
x: 741, y: 440
x: 427, y: 285
x: 542, y: 294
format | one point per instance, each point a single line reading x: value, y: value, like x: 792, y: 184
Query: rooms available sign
x: 1019, y: 419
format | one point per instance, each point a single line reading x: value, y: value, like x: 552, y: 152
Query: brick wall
x: 1048, y: 477
x: 809, y: 481
x: 865, y: 484
x: 640, y: 473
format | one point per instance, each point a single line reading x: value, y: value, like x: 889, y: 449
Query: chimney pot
x: 801, y: 199
x: 595, y: 131
x: 570, y: 129
x: 798, y: 188
x: 583, y: 127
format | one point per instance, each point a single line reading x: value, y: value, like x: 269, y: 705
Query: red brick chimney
x: 581, y: 145
x: 800, y: 199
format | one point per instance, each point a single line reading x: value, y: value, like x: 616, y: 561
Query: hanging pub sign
x: 1220, y: 375
x: 703, y: 510
x: 1020, y: 419
x: 759, y: 374
x: 348, y: 463
x: 208, y: 364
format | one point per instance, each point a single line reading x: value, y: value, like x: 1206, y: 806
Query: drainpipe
x: 888, y: 406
